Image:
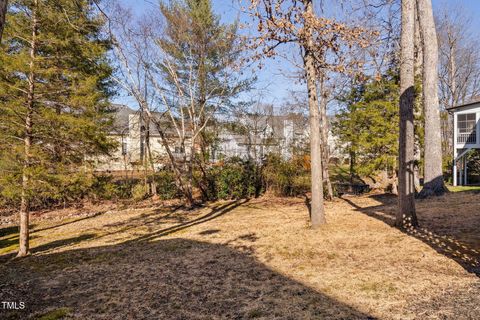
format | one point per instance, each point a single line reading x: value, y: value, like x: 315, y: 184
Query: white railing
x: 467, y: 138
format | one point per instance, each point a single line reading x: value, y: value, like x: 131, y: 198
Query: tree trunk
x: 433, y: 175
x: 317, y: 214
x: 352, y: 164
x: 3, y: 13
x: 153, y: 185
x: 324, y: 143
x: 25, y: 201
x: 187, y: 192
x: 418, y: 110
x: 406, y: 215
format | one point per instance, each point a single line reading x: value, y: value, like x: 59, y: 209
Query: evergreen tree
x: 201, y: 64
x: 368, y: 126
x: 54, y: 81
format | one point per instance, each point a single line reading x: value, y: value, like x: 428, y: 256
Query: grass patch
x: 263, y: 263
x: 378, y: 287
x: 255, y: 313
x: 55, y: 314
x: 464, y: 188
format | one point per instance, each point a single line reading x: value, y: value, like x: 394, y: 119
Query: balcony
x: 467, y: 138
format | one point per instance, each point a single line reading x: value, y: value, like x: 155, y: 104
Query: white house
x: 129, y: 133
x: 466, y: 136
x: 258, y: 135
x: 251, y: 137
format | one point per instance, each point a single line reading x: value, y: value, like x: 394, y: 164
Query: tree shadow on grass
x: 216, y: 212
x: 96, y: 214
x: 182, y: 221
x: 449, y: 237
x: 165, y: 279
x: 9, y: 235
x: 7, y: 231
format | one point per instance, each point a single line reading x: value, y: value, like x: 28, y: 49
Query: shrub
x: 139, y: 191
x: 166, y: 185
x: 286, y: 177
x: 234, y: 179
x: 107, y: 188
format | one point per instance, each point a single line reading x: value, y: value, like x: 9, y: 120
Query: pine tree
x: 368, y: 126
x: 54, y: 81
x: 201, y: 63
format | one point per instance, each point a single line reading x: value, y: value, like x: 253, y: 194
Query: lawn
x: 248, y: 259
x: 464, y: 188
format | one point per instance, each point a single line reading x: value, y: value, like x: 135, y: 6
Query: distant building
x: 129, y: 132
x: 254, y: 136
x: 251, y: 136
x: 466, y: 137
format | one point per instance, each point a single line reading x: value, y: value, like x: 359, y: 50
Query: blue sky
x: 272, y: 78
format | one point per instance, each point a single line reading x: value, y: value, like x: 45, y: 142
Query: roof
x: 473, y: 101
x: 122, y: 117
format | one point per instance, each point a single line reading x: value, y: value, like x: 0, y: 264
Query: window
x: 124, y: 147
x: 179, y: 150
x: 467, y: 128
x: 466, y: 123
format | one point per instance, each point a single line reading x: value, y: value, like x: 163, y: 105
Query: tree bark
x: 317, y: 214
x: 25, y: 201
x: 3, y: 13
x: 406, y: 215
x: 418, y: 111
x: 433, y: 175
x: 324, y: 143
x: 148, y: 154
x: 352, y: 173
x: 186, y: 190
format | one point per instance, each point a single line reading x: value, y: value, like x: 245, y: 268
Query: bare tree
x: 294, y: 21
x: 325, y: 97
x: 459, y: 70
x: 433, y: 175
x: 317, y: 214
x: 3, y: 13
x: 134, y: 44
x: 406, y: 215
x: 130, y: 48
x: 418, y: 111
x: 144, y: 48
x: 459, y: 51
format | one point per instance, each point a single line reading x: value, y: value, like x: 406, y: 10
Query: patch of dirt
x: 252, y: 259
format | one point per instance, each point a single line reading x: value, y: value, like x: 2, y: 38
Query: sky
x: 272, y: 79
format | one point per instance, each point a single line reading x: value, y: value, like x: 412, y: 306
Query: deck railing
x: 468, y: 138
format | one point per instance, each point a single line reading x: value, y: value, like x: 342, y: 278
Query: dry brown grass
x: 252, y: 259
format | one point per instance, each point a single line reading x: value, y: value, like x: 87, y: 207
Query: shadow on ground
x: 180, y: 221
x: 447, y: 224
x: 165, y: 279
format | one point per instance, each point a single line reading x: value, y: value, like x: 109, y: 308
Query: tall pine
x: 202, y: 59
x: 368, y: 127
x: 54, y: 84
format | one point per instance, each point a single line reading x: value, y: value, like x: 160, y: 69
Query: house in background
x: 128, y: 132
x: 251, y: 136
x: 466, y: 137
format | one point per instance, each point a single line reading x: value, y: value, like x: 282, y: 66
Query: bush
x: 107, y: 188
x: 140, y: 191
x: 166, y: 185
x: 234, y: 179
x: 286, y: 177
